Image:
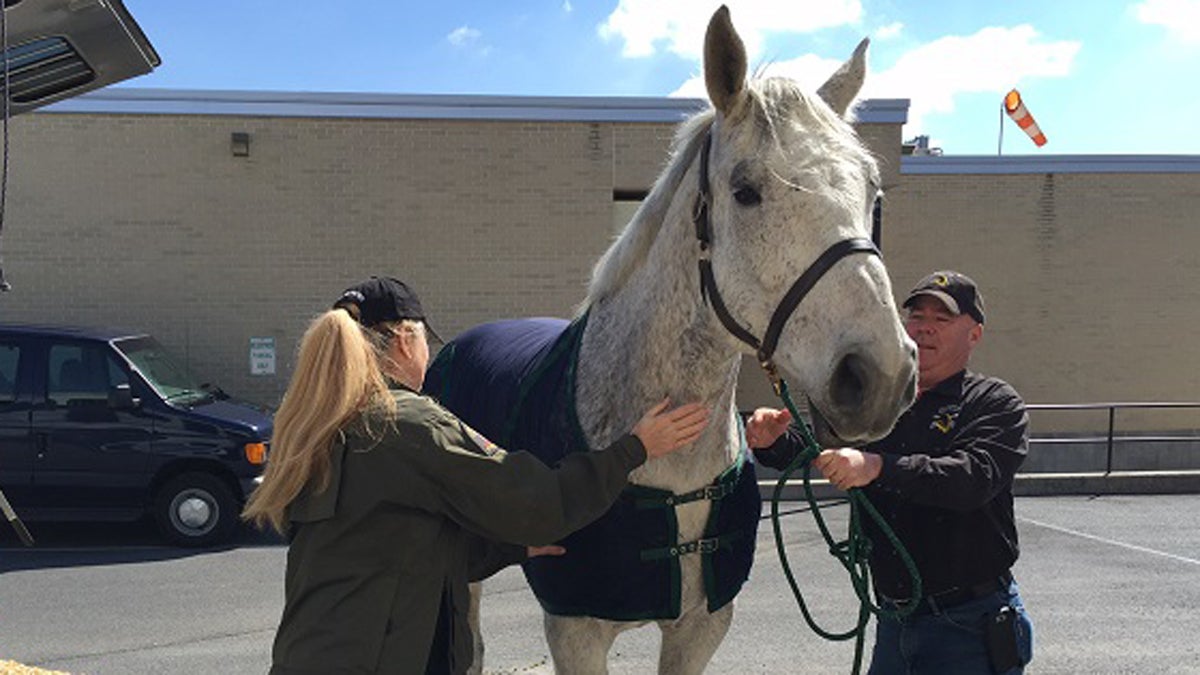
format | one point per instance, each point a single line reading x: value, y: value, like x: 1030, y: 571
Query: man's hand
x: 765, y: 426
x: 848, y: 468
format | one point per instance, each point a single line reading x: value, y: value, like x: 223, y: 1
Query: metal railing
x: 1111, y: 438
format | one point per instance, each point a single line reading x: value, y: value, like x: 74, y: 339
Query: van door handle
x: 41, y: 443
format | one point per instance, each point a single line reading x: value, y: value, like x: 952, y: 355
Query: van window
x: 10, y: 354
x: 170, y: 378
x: 82, y: 372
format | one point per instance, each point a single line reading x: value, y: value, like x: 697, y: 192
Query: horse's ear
x: 724, y: 62
x: 841, y: 88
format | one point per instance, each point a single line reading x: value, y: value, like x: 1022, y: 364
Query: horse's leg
x: 689, y: 642
x: 579, y: 645
x: 473, y: 621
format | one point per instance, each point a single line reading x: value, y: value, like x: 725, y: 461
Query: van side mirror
x: 121, y: 397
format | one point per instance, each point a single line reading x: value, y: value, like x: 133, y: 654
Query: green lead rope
x: 853, y: 553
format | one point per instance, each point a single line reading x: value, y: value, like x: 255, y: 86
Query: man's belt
x: 953, y: 597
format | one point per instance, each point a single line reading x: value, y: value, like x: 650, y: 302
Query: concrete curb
x: 1115, y: 483
x: 1041, y: 485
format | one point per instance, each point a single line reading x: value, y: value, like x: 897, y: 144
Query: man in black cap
x: 943, y: 481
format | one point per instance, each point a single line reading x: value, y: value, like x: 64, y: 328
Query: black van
x: 100, y: 424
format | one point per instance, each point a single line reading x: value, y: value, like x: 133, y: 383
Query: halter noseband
x: 765, y: 348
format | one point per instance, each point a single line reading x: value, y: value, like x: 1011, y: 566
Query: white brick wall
x: 148, y: 221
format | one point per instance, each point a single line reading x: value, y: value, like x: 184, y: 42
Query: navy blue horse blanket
x: 514, y: 382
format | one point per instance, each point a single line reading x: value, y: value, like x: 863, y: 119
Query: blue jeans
x: 947, y: 640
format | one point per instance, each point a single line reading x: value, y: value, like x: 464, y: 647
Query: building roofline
x: 149, y: 101
x: 1021, y: 164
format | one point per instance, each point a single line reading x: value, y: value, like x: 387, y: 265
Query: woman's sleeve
x: 486, y: 557
x: 513, y: 496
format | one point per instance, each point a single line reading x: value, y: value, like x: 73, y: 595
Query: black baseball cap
x: 382, y: 299
x: 956, y: 291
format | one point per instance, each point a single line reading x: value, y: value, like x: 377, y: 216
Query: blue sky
x: 1099, y: 76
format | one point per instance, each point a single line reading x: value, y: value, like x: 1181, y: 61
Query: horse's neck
x: 648, y: 341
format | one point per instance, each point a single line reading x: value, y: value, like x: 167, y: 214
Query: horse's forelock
x: 772, y: 101
x: 778, y: 100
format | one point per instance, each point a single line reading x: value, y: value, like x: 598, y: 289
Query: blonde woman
x: 391, y: 504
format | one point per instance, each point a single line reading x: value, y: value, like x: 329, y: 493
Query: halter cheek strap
x: 765, y: 348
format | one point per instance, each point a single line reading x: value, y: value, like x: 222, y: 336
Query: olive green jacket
x: 415, y: 505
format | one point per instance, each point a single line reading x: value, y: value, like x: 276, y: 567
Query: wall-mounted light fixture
x: 239, y: 144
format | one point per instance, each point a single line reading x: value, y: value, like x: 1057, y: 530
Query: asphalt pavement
x: 1112, y: 583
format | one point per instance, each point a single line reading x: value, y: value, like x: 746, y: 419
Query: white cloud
x: 1181, y: 18
x: 678, y: 25
x: 994, y: 59
x: 567, y: 6
x: 810, y: 71
x: 889, y: 31
x: 463, y: 36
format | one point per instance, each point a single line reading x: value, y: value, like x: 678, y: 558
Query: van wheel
x: 195, y: 509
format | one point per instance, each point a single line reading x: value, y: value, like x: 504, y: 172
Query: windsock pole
x: 1016, y: 110
x: 1000, y: 139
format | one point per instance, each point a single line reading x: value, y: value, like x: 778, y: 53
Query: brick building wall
x: 147, y: 220
x: 1089, y: 272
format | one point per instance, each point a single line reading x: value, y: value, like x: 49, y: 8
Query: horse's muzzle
x: 864, y: 400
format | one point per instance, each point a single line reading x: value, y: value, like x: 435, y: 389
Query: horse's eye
x: 747, y: 196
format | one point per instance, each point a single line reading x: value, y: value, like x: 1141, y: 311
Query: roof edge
x: 152, y: 101
x: 1024, y: 164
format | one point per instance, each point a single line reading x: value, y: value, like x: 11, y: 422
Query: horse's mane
x: 770, y: 100
x: 631, y: 246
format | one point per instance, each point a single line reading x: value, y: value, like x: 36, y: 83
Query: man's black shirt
x: 946, y: 485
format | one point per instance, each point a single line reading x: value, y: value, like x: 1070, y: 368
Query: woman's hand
x: 552, y: 549
x: 662, y: 431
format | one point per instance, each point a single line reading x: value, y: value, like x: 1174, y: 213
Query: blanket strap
x: 725, y: 484
x: 704, y: 546
x: 709, y: 492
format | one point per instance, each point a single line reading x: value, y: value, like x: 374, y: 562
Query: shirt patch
x: 943, y: 420
x: 481, y: 442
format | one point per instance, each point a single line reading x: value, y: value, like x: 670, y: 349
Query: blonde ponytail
x: 337, y: 376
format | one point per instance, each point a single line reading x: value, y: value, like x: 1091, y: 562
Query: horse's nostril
x: 850, y: 381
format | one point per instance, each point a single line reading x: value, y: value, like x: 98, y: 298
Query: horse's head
x: 788, y: 180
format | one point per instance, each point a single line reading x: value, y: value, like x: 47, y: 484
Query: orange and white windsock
x: 1016, y: 110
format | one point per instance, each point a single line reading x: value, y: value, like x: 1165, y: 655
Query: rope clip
x: 772, y: 372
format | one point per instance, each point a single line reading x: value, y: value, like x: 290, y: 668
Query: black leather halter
x: 765, y: 348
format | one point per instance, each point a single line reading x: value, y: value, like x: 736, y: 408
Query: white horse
x: 755, y: 239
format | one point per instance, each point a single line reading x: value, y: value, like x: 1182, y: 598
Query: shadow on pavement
x: 78, y: 544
